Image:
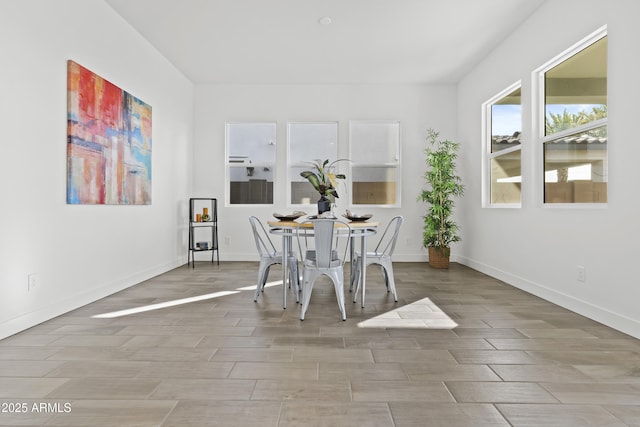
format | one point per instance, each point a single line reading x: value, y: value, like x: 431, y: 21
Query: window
x: 575, y: 124
x: 307, y: 142
x: 503, y: 115
x: 251, y: 158
x: 375, y: 161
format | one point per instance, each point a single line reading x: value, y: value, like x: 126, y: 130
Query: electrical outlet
x: 33, y: 281
x: 582, y: 274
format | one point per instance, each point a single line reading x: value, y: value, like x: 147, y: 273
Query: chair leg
x: 386, y: 277
x: 356, y: 280
x: 354, y: 272
x: 295, y: 278
x: 338, y: 284
x: 387, y: 273
x: 265, y: 275
x: 263, y: 272
x: 307, y: 286
x: 387, y: 267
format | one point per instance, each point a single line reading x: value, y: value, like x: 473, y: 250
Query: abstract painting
x: 108, y: 142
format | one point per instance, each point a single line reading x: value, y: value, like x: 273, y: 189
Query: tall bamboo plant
x: 439, y: 229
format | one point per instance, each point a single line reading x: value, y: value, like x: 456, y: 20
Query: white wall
x: 416, y: 107
x: 81, y: 253
x: 538, y: 248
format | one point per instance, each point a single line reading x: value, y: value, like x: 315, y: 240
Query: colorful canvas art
x: 108, y: 142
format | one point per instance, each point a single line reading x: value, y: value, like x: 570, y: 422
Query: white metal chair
x: 381, y: 255
x: 322, y: 256
x: 270, y: 256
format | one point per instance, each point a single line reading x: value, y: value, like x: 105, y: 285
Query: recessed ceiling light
x: 325, y: 20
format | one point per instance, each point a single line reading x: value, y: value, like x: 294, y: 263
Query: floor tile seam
x: 494, y: 401
x: 46, y: 395
x: 169, y: 412
x: 572, y: 405
x: 606, y: 408
x: 46, y: 374
x: 539, y: 384
x: 6, y: 342
x: 632, y: 385
x: 571, y: 344
x: 391, y: 417
x: 550, y: 360
x: 200, y: 341
x: 446, y: 387
x: 280, y: 412
x: 147, y: 397
x: 491, y: 368
x: 588, y: 379
x: 292, y: 354
x: 253, y: 391
x: 60, y: 338
x: 214, y: 352
x: 403, y: 368
x: 233, y: 367
x: 57, y: 351
x: 488, y: 341
x: 496, y: 406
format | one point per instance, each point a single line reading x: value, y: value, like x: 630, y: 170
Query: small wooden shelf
x: 196, y: 206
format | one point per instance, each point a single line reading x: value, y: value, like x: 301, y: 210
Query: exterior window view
x: 575, y: 129
x: 505, y: 124
x: 307, y: 143
x: 375, y: 160
x: 251, y: 161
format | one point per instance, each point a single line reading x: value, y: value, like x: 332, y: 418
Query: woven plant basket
x: 439, y: 257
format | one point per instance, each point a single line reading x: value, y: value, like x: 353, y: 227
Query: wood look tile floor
x: 458, y: 349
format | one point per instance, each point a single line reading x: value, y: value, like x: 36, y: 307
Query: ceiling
x: 283, y: 41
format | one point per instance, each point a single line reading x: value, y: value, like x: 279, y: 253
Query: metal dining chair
x: 270, y: 256
x: 319, y: 247
x: 381, y: 255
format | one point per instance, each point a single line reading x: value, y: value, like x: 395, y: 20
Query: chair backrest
x: 325, y: 240
x: 263, y: 242
x: 387, y: 243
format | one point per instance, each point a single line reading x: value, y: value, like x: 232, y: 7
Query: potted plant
x: 324, y: 180
x: 439, y: 230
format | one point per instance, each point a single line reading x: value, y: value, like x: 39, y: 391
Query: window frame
x: 290, y: 164
x: 397, y: 165
x: 227, y: 163
x: 488, y: 156
x: 539, y: 116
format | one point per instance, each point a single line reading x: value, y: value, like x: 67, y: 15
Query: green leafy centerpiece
x: 324, y: 180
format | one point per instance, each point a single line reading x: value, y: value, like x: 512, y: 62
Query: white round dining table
x: 358, y: 229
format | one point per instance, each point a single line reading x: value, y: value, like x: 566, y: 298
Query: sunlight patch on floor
x: 266, y: 285
x: 165, y: 304
x: 421, y: 314
x: 181, y: 301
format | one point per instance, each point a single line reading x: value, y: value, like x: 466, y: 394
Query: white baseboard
x: 410, y: 257
x: 67, y: 304
x: 599, y: 314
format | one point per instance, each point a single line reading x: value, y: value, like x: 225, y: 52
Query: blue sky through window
x: 507, y: 118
